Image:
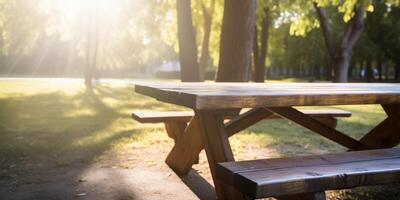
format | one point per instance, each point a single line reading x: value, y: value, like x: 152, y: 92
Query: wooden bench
x: 311, y: 175
x: 327, y: 116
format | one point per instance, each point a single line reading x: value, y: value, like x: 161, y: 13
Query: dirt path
x: 96, y: 182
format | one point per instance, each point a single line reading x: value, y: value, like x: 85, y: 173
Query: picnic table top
x: 246, y: 95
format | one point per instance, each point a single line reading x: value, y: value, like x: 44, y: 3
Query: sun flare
x: 78, y: 9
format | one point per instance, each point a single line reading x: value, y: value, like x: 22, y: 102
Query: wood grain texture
x: 160, y: 117
x: 286, y: 176
x: 186, y: 150
x: 304, y: 196
x: 250, y: 95
x: 218, y: 150
x: 175, y: 129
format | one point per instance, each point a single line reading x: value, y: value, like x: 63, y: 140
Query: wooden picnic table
x: 211, y: 100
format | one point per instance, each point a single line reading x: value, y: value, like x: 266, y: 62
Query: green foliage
x: 141, y: 34
x: 306, y: 20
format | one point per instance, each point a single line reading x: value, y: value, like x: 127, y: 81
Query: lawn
x: 53, y: 124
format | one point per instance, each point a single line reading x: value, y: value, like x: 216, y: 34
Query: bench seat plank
x: 285, y: 176
x: 185, y: 116
x: 158, y: 117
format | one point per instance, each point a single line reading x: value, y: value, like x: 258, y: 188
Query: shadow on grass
x: 199, y: 186
x: 57, y: 130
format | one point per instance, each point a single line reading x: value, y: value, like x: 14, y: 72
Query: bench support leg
x: 329, y: 121
x: 218, y: 149
x: 187, y: 147
x: 386, y: 134
x: 186, y: 150
x: 175, y: 130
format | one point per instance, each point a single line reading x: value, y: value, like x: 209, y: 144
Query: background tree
x: 187, y: 42
x: 208, y: 12
x: 260, y: 48
x: 236, y: 41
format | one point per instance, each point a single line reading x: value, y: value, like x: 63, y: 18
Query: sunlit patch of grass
x: 85, y: 112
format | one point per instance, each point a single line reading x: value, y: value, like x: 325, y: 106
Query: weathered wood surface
x: 250, y: 95
x: 186, y: 150
x: 218, y: 150
x: 158, y: 117
x: 175, y: 129
x: 185, y: 116
x: 285, y: 176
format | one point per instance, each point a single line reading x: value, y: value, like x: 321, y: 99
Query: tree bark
x: 380, y: 66
x: 205, y: 54
x: 187, y: 43
x: 91, y: 48
x: 259, y: 57
x: 341, y: 54
x: 369, y: 73
x: 236, y: 41
x: 397, y: 71
x: 387, y: 66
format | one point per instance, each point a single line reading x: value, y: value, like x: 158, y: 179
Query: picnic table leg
x: 188, y: 145
x: 175, y: 130
x: 186, y: 150
x: 217, y: 148
x: 386, y: 134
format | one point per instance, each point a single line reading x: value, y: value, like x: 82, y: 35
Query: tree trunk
x: 259, y: 57
x: 205, y: 54
x: 341, y: 54
x: 397, y: 72
x: 380, y: 66
x: 236, y: 41
x: 341, y: 69
x: 351, y: 69
x: 387, y: 66
x: 88, y: 73
x: 187, y: 43
x: 369, y: 72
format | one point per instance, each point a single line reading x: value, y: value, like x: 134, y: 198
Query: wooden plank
x: 166, y: 96
x: 386, y: 134
x: 175, y: 129
x: 186, y: 116
x: 186, y: 150
x: 158, y: 117
x: 242, y: 95
x: 305, y: 196
x: 285, y: 176
x: 320, y: 128
x: 230, y: 168
x: 217, y: 148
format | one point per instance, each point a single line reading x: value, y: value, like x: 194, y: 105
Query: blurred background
x: 138, y: 38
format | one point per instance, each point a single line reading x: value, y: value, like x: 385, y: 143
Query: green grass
x: 63, y: 123
x: 38, y: 119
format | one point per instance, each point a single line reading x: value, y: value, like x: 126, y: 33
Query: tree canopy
x: 297, y: 38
